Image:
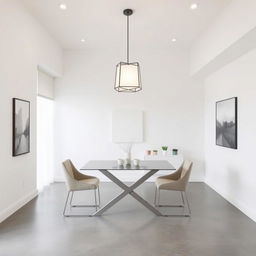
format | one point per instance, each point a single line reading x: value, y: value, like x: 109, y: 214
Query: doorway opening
x: 45, y: 131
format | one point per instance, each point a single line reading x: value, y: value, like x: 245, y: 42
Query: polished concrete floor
x: 216, y: 228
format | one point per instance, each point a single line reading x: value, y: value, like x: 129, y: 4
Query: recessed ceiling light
x: 193, y: 6
x: 82, y: 40
x: 63, y: 6
x: 174, y: 40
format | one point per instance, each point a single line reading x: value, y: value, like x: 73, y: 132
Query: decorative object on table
x: 127, y: 161
x: 21, y: 127
x: 175, y: 151
x: 136, y: 162
x: 120, y: 162
x: 128, y: 73
x: 164, y: 150
x: 148, y: 152
x: 154, y: 152
x: 226, y: 123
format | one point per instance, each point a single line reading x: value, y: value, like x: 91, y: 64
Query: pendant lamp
x: 128, y: 77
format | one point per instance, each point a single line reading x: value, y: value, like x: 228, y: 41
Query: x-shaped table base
x: 128, y: 190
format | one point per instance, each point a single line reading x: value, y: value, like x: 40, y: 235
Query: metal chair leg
x: 159, y: 191
x: 81, y: 205
x: 188, y: 206
x: 183, y: 201
x: 95, y: 199
x: 189, y: 210
x: 64, y: 211
x: 70, y: 202
x: 99, y: 195
x: 155, y: 197
x: 72, y: 193
x: 169, y: 205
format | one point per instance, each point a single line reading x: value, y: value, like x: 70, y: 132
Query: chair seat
x: 86, y: 184
x: 162, y: 181
x: 168, y: 184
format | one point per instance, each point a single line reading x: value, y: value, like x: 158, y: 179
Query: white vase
x: 164, y: 152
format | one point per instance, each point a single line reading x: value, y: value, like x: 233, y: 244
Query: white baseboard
x: 238, y: 204
x: 4, y: 214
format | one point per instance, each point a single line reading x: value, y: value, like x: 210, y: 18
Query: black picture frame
x: 226, y: 123
x: 20, y: 127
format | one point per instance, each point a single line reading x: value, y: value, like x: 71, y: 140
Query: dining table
x: 106, y: 167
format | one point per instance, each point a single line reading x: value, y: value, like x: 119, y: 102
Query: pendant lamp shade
x: 128, y: 77
x: 128, y: 73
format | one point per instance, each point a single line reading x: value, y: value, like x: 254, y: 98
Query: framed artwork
x: 226, y: 123
x: 127, y: 126
x: 21, y: 127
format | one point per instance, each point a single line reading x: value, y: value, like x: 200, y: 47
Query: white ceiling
x: 101, y: 22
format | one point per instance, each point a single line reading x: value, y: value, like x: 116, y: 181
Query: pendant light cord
x: 128, y: 39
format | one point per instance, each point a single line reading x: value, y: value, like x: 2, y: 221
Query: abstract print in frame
x: 226, y: 123
x: 21, y: 127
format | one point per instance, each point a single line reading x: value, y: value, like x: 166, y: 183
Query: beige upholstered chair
x: 76, y: 181
x: 176, y: 181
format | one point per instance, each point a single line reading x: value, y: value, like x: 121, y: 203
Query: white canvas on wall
x: 127, y: 126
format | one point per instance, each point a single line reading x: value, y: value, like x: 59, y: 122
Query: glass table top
x: 112, y: 165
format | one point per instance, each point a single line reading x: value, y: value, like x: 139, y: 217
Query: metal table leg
x: 128, y: 190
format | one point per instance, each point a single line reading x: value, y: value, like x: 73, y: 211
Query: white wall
x: 24, y: 45
x: 232, y: 172
x: 233, y: 24
x: 85, y: 97
x: 45, y: 85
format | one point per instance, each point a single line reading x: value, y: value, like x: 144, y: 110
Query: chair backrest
x: 69, y: 174
x: 185, y: 173
x: 73, y: 172
x: 68, y: 165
